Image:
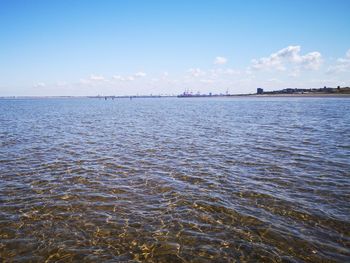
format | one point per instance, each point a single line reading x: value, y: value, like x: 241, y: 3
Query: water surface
x: 175, y: 180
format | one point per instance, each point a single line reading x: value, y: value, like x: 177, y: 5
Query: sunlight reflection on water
x: 175, y: 180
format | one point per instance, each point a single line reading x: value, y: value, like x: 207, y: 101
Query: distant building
x: 289, y: 90
x: 259, y: 91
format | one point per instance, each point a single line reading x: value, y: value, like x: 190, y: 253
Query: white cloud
x: 127, y: 78
x: 288, y: 56
x: 61, y: 84
x: 228, y: 71
x: 118, y: 77
x: 341, y: 65
x: 97, y: 78
x: 220, y: 60
x: 140, y: 74
x: 39, y: 85
x: 312, y: 60
x: 274, y: 80
x: 84, y: 81
x: 208, y: 81
x: 93, y: 79
x: 196, y: 72
x: 294, y: 73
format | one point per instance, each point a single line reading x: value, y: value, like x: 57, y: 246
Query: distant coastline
x: 321, y: 92
x: 308, y: 92
x: 310, y: 95
x: 289, y: 92
x: 302, y: 95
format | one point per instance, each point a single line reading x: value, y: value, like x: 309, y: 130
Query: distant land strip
x: 289, y: 92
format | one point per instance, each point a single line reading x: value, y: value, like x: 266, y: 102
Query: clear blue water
x: 175, y: 180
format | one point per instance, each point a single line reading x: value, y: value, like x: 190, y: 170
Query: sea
x: 244, y: 179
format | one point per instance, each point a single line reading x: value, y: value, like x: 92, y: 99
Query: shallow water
x: 175, y: 180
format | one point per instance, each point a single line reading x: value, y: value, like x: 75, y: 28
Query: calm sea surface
x: 175, y: 180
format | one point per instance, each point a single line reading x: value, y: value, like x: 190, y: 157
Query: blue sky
x: 166, y: 47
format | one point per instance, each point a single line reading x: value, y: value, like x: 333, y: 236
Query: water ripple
x: 171, y: 180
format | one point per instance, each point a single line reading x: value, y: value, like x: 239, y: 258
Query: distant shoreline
x: 303, y: 95
x: 275, y: 95
x: 310, y: 95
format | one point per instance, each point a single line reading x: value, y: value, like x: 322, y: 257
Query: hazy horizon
x: 64, y: 48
